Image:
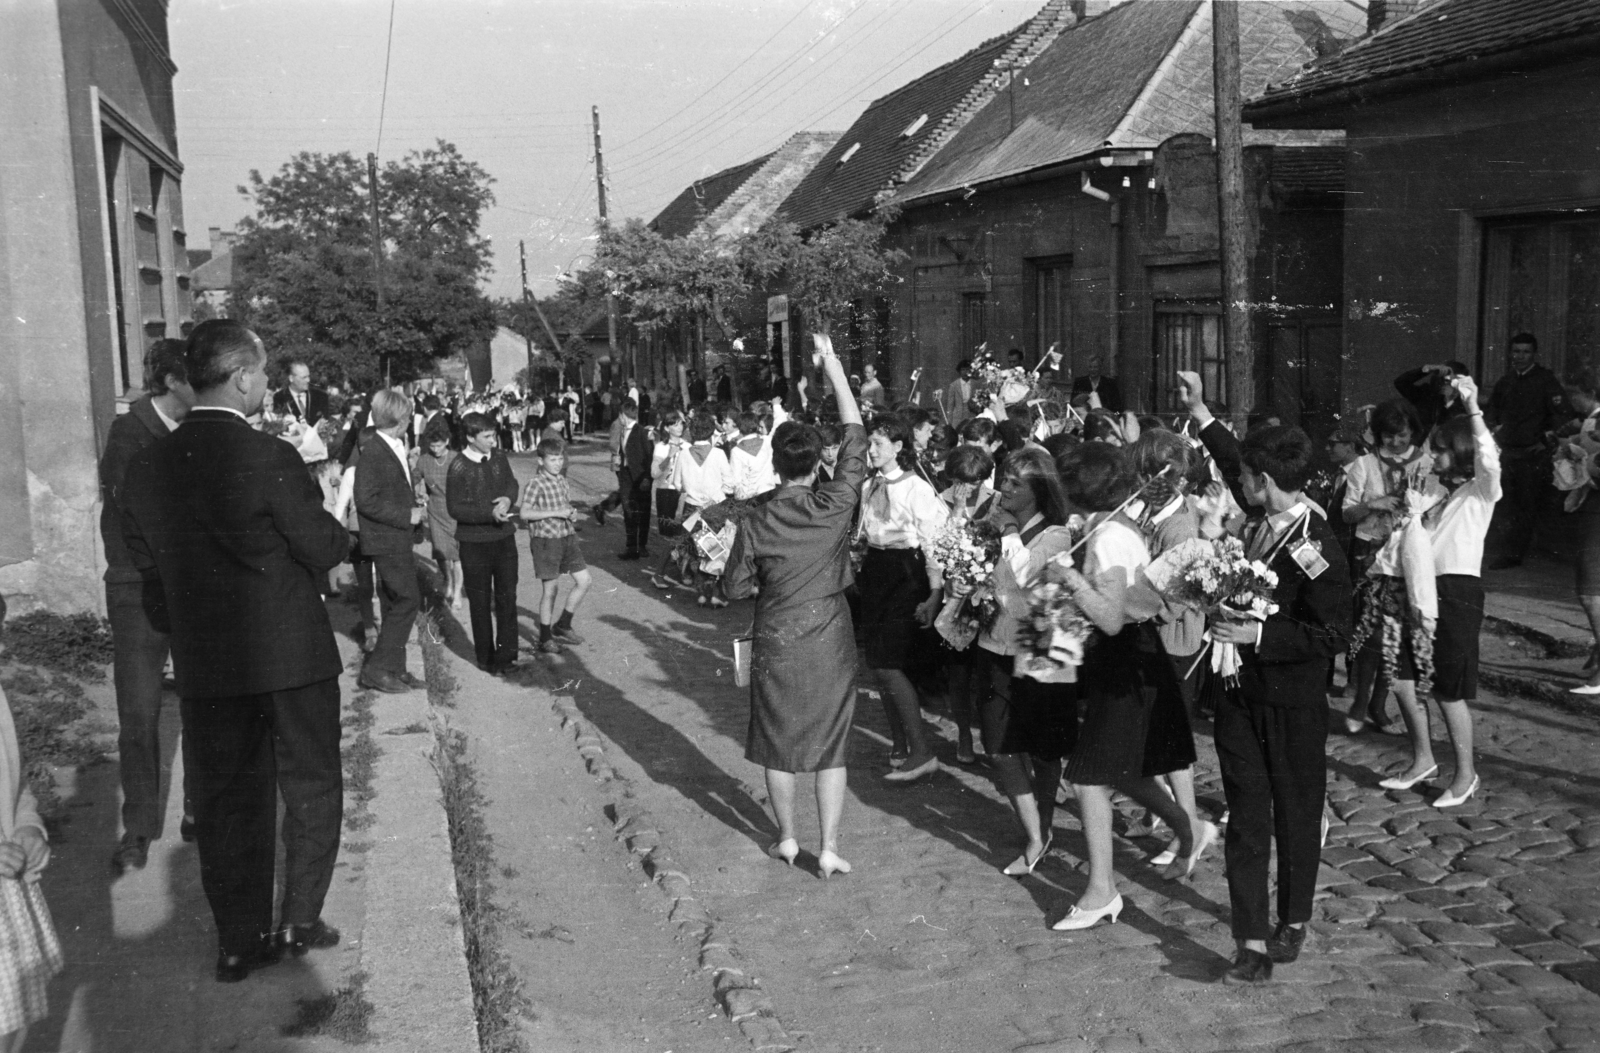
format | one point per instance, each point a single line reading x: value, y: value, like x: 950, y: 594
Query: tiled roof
x: 875, y: 152
x: 197, y: 257
x: 216, y: 273
x: 701, y: 197
x: 1129, y: 80
x: 1443, y: 36
x: 754, y: 202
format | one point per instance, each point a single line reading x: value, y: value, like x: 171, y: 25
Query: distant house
x: 93, y: 248
x: 1473, y: 180
x: 1077, y: 207
x: 733, y: 202
x: 211, y: 271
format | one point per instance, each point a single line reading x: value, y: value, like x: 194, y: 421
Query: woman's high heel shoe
x: 1183, y: 869
x: 1083, y: 919
x: 786, y: 850
x: 1022, y: 865
x: 1400, y: 782
x: 1447, y: 800
x: 830, y: 862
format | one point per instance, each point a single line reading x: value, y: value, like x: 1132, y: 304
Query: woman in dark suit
x: 794, y: 550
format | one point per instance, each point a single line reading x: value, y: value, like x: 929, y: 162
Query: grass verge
x: 76, y: 644
x: 360, y: 756
x: 345, y: 1015
x: 496, y: 989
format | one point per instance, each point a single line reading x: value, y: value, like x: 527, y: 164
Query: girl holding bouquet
x: 969, y: 499
x: 1467, y: 462
x: 1163, y: 462
x: 1121, y: 671
x: 1375, y: 501
x: 1028, y: 726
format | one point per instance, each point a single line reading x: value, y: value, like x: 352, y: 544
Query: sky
x: 685, y: 88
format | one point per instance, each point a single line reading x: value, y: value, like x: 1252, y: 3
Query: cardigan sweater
x: 471, y: 488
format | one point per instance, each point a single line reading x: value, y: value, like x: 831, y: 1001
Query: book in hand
x: 741, y: 660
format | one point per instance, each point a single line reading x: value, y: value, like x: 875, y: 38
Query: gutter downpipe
x: 1114, y: 282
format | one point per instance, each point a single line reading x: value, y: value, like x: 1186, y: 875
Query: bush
x: 76, y: 644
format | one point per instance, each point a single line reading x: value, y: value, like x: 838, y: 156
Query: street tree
x: 303, y: 268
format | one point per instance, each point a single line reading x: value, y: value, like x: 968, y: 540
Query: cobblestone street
x: 1470, y: 929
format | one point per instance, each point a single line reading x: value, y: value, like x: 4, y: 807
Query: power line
x: 697, y: 128
x: 648, y: 132
x: 388, y: 53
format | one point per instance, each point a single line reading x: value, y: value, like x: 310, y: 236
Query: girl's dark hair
x: 1584, y: 381
x: 892, y: 426
x: 1034, y: 467
x: 830, y: 434
x: 1097, y: 477
x: 1391, y: 418
x: 968, y: 464
x: 1455, y: 437
x: 978, y: 429
x: 1054, y: 444
x: 749, y: 423
x: 670, y: 417
x: 1013, y: 436
x: 915, y: 417
x: 1155, y: 451
x: 1100, y: 426
x: 1282, y: 452
x: 796, y: 449
x: 438, y: 430
x: 701, y: 427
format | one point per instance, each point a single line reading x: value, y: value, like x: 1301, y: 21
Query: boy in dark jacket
x: 1272, y: 729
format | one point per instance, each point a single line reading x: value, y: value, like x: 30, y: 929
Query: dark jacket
x: 1110, y: 393
x: 316, y: 405
x: 1290, y: 666
x: 1426, y: 393
x: 131, y: 433
x: 384, y: 499
x: 636, y: 456
x: 229, y: 521
x: 1525, y: 407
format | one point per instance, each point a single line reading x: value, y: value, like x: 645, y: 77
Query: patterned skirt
x: 30, y: 954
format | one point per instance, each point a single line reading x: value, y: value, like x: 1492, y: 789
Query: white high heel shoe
x: 1400, y: 782
x: 1083, y: 919
x: 1445, y: 800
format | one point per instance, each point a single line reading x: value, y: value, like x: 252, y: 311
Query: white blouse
x: 1458, y: 534
x: 1369, y: 480
x: 703, y: 484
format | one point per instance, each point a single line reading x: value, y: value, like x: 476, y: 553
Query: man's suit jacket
x: 636, y: 456
x: 1110, y: 393
x: 316, y: 405
x: 384, y: 499
x: 229, y: 521
x: 1290, y: 665
x: 131, y: 433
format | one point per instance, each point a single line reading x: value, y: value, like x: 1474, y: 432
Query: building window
x: 1188, y: 338
x: 1052, y: 308
x: 974, y: 322
x: 1542, y: 276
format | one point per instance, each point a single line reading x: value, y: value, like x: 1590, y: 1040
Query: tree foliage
x: 303, y: 268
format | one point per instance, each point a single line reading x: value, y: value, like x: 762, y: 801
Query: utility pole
x: 600, y: 189
x: 1233, y: 239
x: 529, y: 299
x: 377, y: 254
x: 522, y: 253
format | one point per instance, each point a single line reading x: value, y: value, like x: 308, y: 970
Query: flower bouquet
x: 1052, y: 638
x: 1217, y: 578
x: 967, y: 552
x: 1399, y: 597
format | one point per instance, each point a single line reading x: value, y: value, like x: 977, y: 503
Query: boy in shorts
x: 547, y: 509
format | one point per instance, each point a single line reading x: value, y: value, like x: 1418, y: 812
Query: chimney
x: 1382, y: 12
x: 217, y: 246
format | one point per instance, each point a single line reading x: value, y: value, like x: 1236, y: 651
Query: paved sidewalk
x: 1470, y: 929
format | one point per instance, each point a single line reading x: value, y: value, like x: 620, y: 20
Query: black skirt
x: 1455, y: 639
x: 1022, y: 715
x: 893, y: 581
x: 1115, y: 700
x: 1169, y: 740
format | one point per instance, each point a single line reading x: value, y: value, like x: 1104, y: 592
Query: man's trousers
x: 139, y: 659
x: 247, y: 749
x: 1274, y: 775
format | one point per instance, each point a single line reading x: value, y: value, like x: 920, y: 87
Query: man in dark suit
x: 387, y: 507
x: 1272, y: 729
x: 227, y: 519
x: 1095, y: 383
x: 300, y: 400
x: 724, y: 385
x: 634, y: 450
x: 138, y: 611
x: 697, y: 389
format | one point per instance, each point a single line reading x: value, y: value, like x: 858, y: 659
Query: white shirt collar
x: 473, y: 455
x: 171, y: 424
x: 224, y: 409
x: 1281, y: 521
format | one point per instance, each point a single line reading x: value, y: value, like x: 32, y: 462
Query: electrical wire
x: 685, y: 108
x: 383, y: 103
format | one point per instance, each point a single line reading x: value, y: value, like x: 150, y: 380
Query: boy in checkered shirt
x: 547, y: 509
